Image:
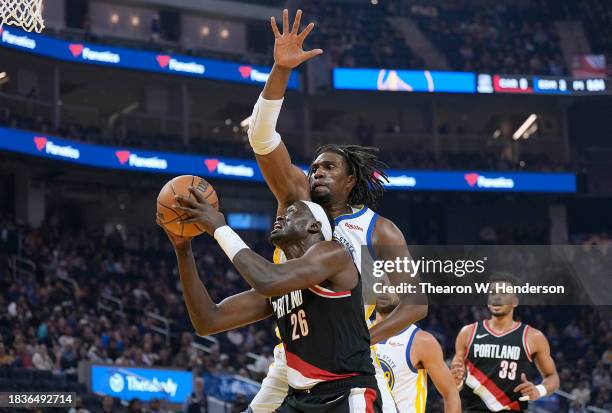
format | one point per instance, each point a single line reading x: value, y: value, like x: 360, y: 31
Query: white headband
x: 319, y: 214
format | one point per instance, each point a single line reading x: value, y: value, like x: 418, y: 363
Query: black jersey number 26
x: 299, y: 324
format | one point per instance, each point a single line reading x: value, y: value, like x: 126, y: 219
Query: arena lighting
x: 224, y: 33
x: 114, y: 18
x: 205, y: 31
x: 496, y: 134
x: 135, y: 21
x: 525, y: 126
x: 533, y: 129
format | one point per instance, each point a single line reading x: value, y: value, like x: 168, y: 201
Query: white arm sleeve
x: 262, y: 126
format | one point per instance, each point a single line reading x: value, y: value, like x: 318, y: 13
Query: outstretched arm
x: 389, y: 243
x: 321, y: 262
x: 426, y: 351
x: 286, y: 181
x: 325, y: 260
x: 206, y: 316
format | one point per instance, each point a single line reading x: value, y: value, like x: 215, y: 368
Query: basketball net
x: 26, y: 14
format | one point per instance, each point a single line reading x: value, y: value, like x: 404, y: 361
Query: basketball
x: 169, y: 217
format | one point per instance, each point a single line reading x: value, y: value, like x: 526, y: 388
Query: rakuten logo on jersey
x: 87, y: 53
x: 131, y: 159
x: 175, y: 65
x: 353, y: 226
x: 43, y: 144
x: 15, y: 40
x: 214, y: 165
x: 253, y: 74
x: 481, y: 181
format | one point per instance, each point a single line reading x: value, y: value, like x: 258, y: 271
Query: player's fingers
x: 189, y: 211
x: 285, y: 21
x: 296, y: 22
x: 521, y: 387
x: 183, y: 200
x: 523, y: 378
x: 306, y: 31
x: 188, y: 221
x: 196, y: 194
x: 274, y: 27
x: 311, y: 53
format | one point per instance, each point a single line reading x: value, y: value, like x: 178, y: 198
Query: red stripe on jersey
x: 312, y: 372
x: 467, y: 352
x: 526, y: 344
x: 498, y: 393
x: 328, y: 293
x: 370, y: 397
x: 516, y: 325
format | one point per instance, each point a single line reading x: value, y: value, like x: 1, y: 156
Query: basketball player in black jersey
x: 315, y: 298
x: 494, y: 358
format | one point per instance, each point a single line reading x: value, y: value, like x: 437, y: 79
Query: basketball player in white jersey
x: 407, y: 359
x: 345, y: 180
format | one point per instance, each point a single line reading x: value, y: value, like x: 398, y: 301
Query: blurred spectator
x: 41, y: 359
x: 157, y: 406
x: 198, y: 400
x: 6, y: 359
x: 135, y: 406
x: 582, y: 393
x: 108, y: 405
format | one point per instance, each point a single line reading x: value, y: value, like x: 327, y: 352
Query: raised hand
x: 288, y: 52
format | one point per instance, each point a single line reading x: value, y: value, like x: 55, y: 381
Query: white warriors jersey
x: 354, y: 231
x: 408, y: 384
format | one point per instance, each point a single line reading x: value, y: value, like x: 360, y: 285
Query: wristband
x: 541, y: 391
x: 262, y: 126
x: 229, y: 241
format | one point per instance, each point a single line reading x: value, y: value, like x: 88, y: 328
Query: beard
x: 323, y: 199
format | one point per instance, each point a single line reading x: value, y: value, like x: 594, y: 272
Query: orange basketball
x: 180, y: 186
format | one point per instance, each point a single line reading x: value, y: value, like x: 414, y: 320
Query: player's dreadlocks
x: 368, y: 170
